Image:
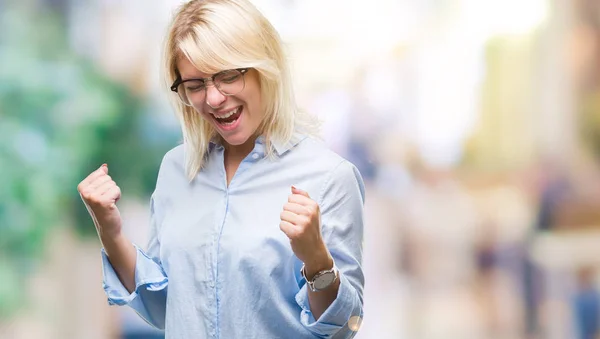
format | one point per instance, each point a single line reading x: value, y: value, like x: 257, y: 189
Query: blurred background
x: 475, y: 124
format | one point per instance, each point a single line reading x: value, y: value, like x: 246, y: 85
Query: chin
x: 236, y: 140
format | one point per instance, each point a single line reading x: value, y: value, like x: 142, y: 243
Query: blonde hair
x: 216, y: 35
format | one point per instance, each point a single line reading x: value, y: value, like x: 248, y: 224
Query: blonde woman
x: 257, y: 228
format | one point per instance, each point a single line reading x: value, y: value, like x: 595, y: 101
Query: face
x: 236, y: 117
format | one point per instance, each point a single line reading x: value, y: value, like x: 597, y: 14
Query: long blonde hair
x: 223, y: 34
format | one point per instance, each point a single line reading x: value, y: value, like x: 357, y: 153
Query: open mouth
x: 228, y: 119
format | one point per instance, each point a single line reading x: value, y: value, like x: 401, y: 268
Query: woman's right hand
x: 100, y: 195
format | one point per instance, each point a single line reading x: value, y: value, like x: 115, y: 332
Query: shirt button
x: 255, y: 156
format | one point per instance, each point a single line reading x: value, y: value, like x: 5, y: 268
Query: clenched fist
x: 301, y: 222
x: 100, y: 194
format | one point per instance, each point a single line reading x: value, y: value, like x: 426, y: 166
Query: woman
x: 256, y: 228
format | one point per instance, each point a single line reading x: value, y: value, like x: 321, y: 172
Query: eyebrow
x: 210, y: 76
x: 192, y: 78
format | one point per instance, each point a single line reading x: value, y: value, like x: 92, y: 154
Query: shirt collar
x: 279, y: 147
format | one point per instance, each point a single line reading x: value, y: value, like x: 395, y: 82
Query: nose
x: 214, y: 98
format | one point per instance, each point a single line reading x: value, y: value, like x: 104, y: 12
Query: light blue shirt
x: 217, y: 264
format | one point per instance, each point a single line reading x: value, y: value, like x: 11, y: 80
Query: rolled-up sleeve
x: 150, y: 295
x: 341, y: 202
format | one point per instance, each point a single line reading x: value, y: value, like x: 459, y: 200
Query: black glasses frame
x: 179, y: 81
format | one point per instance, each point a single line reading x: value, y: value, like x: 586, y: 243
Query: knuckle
x: 95, y: 196
x: 299, y: 233
x: 293, y: 234
x: 93, y: 200
x: 305, y: 220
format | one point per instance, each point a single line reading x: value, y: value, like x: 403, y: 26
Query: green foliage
x: 60, y: 119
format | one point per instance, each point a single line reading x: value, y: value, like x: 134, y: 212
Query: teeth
x: 227, y: 115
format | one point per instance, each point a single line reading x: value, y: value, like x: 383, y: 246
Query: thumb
x: 296, y: 190
x: 104, y: 168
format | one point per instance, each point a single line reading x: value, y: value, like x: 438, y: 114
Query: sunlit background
x: 475, y: 124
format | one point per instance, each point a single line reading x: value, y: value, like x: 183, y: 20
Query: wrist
x: 113, y: 241
x: 320, y: 262
x: 111, y: 234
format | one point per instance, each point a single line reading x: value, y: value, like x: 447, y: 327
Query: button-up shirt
x: 217, y: 264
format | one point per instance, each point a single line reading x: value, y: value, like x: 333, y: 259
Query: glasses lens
x: 191, y: 91
x: 230, y: 82
x: 182, y: 96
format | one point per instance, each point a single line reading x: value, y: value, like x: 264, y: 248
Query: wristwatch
x: 322, y: 279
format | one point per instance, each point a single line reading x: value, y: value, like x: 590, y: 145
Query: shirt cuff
x: 336, y: 316
x: 148, y: 274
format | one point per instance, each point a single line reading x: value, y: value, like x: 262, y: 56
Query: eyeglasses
x: 229, y: 82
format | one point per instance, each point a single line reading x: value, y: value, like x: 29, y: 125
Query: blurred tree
x: 587, y: 30
x: 590, y: 122
x: 60, y: 118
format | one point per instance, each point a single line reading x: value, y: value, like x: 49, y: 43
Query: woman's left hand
x: 301, y: 222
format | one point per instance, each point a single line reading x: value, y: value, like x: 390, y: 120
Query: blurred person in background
x: 236, y: 249
x: 586, y: 305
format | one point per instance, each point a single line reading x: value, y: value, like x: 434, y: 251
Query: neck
x: 240, y: 151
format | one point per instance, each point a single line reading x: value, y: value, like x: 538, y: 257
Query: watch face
x: 324, y: 280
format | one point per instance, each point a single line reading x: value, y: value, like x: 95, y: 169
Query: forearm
x: 122, y: 256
